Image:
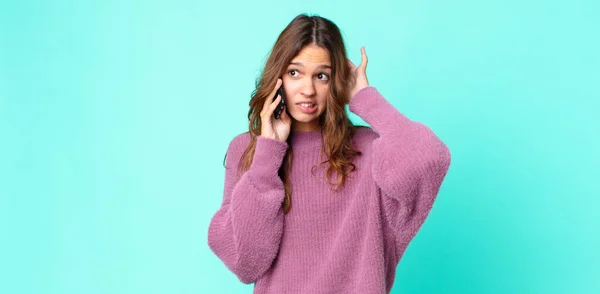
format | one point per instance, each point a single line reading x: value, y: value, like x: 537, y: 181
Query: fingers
x: 268, y: 100
x: 270, y: 109
x: 363, y: 62
x: 277, y: 85
x: 274, y: 105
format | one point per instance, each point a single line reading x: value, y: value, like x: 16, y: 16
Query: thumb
x: 351, y: 64
x: 364, y: 60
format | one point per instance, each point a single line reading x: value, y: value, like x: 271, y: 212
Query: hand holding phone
x: 275, y: 123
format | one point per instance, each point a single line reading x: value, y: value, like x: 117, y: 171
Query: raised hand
x: 358, y: 76
x: 277, y: 129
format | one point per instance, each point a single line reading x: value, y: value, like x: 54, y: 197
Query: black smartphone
x: 279, y: 109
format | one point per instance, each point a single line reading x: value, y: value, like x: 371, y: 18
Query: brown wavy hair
x: 336, y: 128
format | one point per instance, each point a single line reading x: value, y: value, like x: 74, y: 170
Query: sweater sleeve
x: 409, y: 162
x: 246, y: 231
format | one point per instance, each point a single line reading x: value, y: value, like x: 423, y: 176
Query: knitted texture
x: 344, y: 241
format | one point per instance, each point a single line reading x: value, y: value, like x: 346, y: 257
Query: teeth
x: 308, y: 105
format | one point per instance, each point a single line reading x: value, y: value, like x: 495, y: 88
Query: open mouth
x: 307, y: 107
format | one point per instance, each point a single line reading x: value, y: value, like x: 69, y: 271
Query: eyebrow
x: 320, y: 66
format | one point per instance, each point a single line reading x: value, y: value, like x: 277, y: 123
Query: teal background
x: 115, y: 117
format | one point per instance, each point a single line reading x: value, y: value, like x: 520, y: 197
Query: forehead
x: 312, y: 55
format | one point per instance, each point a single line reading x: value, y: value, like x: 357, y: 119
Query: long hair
x: 336, y: 128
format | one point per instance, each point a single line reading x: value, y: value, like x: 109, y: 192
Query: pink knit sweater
x: 345, y: 241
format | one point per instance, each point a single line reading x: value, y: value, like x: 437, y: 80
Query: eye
x: 293, y: 72
x: 323, y: 77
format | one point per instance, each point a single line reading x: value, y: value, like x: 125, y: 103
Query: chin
x: 305, y: 118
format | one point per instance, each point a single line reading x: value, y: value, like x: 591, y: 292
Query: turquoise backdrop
x: 115, y: 117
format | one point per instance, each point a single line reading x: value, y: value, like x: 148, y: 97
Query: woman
x: 312, y: 203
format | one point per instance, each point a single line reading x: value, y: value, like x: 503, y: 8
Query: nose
x: 308, y: 88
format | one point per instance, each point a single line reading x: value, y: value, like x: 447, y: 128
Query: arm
x: 409, y: 162
x: 246, y: 231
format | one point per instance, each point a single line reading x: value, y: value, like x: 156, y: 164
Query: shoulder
x: 240, y: 141
x: 363, y: 139
x: 236, y: 148
x: 364, y: 134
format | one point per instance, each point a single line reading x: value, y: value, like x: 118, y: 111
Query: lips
x: 308, y: 109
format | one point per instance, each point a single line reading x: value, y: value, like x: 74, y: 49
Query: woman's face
x: 306, y: 82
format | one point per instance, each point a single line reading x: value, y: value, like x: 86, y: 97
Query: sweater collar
x: 299, y: 139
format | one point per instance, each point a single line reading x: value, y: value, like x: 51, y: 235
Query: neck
x: 305, y: 127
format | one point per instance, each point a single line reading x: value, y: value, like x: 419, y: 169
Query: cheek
x: 292, y: 88
x: 323, y: 93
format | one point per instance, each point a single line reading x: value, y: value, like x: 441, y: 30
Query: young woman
x: 312, y: 203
